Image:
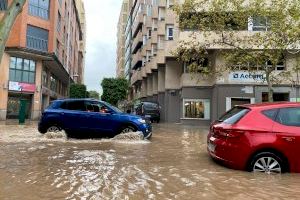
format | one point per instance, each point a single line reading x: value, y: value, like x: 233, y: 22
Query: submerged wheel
x: 128, y: 129
x: 54, y: 129
x: 267, y: 162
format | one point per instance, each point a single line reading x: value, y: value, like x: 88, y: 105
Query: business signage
x: 21, y: 87
x: 248, y: 77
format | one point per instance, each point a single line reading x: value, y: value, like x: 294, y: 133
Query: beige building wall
x: 123, y: 17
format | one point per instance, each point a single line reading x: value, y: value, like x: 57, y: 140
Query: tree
x: 94, y: 94
x: 7, y: 22
x: 114, y: 90
x: 224, y: 24
x: 78, y: 91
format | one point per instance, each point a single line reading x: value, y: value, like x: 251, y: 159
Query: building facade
x: 42, y: 57
x: 122, y: 38
x: 185, y: 97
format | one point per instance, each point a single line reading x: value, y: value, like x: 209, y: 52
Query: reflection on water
x: 173, y: 165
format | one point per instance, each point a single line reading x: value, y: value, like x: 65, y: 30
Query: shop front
x: 17, y: 92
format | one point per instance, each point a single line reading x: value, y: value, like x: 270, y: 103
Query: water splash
x: 130, y: 136
x: 56, y: 135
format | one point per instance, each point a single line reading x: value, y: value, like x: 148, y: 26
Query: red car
x: 258, y: 137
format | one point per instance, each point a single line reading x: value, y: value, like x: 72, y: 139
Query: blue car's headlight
x: 142, y: 121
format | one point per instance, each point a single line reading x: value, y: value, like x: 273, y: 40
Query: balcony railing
x: 37, y: 44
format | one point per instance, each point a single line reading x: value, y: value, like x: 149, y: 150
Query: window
x: 22, y: 70
x: 45, y: 78
x: 258, y: 24
x: 161, y: 14
x: 153, y: 49
x: 234, y: 115
x: 289, y: 116
x: 270, y: 113
x: 3, y: 5
x: 196, y: 108
x: 149, y: 10
x: 154, y: 24
x: 148, y: 56
x: 160, y: 42
x: 149, y: 33
x: 58, y: 22
x: 37, y: 38
x: 170, y: 32
x: 170, y: 3
x: 201, y: 65
x: 57, y: 48
x: 39, y: 8
x: 154, y: 2
x: 53, y: 83
x: 74, y: 105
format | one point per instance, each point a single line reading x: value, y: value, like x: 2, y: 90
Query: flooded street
x: 173, y: 165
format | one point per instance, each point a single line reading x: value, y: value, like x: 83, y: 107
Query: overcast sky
x: 102, y: 18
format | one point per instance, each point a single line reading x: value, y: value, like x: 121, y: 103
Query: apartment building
x: 43, y: 56
x: 184, y: 97
x: 123, y: 38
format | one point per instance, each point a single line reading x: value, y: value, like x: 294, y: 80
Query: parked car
x: 149, y: 110
x: 259, y: 137
x: 88, y: 115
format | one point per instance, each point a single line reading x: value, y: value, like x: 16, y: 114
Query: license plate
x: 148, y: 116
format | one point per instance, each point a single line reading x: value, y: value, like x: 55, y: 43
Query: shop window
x: 196, y: 108
x: 3, y: 5
x: 22, y: 70
x: 277, y: 97
x: 39, y: 8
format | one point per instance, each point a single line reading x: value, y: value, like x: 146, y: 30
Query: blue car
x: 90, y: 116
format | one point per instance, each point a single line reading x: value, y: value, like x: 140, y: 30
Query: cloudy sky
x: 102, y: 18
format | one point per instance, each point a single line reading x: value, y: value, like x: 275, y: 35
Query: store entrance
x: 13, y: 105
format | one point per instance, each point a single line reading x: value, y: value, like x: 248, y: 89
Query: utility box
x: 22, y: 112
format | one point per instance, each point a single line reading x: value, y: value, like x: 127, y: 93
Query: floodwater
x: 173, y: 165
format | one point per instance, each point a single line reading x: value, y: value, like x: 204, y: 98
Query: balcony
x: 137, y: 60
x: 137, y: 24
x: 137, y: 42
x: 143, y: 72
x: 136, y: 76
x: 36, y: 44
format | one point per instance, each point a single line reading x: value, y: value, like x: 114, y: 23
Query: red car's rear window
x: 234, y: 115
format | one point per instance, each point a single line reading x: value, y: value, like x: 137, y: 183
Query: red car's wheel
x: 267, y: 162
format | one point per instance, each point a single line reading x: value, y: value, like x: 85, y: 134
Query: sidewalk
x: 16, y: 122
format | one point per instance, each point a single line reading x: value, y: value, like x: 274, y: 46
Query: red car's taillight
x: 230, y: 133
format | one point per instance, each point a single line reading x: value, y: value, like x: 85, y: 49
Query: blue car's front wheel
x: 127, y: 129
